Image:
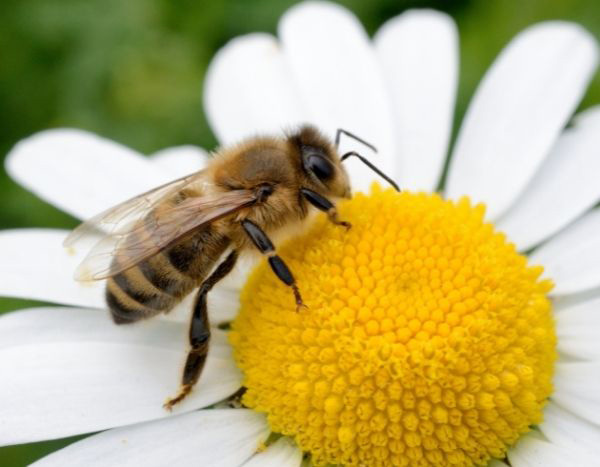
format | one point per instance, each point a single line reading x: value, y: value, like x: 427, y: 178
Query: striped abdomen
x: 158, y: 283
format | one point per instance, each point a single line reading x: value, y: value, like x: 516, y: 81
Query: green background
x: 132, y: 71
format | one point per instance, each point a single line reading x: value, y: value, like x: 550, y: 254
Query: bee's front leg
x: 322, y: 203
x: 200, y: 332
x: 265, y: 246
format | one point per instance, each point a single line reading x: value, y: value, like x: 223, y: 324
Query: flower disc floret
x: 427, y: 341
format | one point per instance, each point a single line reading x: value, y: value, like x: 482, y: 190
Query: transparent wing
x: 119, y: 219
x: 160, y: 228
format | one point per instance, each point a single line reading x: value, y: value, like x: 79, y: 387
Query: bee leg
x: 325, y: 205
x: 200, y: 332
x: 265, y: 246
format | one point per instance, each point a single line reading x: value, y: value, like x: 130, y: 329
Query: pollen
x: 428, y: 340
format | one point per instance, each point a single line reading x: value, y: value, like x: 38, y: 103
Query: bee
x: 158, y: 247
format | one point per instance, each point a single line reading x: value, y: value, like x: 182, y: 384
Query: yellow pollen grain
x: 427, y: 341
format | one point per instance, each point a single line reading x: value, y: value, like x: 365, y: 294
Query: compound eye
x: 320, y: 166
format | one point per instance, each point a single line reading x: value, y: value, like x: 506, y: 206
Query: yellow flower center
x: 428, y: 341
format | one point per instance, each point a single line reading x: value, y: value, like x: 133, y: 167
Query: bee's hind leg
x: 200, y: 332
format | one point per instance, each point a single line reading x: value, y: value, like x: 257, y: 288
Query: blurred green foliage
x: 132, y: 71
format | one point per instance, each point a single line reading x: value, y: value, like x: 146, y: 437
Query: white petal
x: 282, y: 453
x: 215, y: 438
x: 338, y: 74
x: 578, y: 329
x: 568, y: 431
x: 533, y: 452
x: 181, y: 160
x: 79, y: 172
x: 572, y: 258
x: 66, y: 371
x: 518, y: 110
x: 577, y: 389
x: 418, y: 51
x: 565, y: 187
x: 236, y: 279
x: 223, y: 305
x: 36, y: 266
x: 567, y: 301
x: 249, y: 90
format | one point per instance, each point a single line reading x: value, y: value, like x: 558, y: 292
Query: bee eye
x: 320, y: 166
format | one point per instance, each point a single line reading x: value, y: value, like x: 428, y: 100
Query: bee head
x: 322, y: 168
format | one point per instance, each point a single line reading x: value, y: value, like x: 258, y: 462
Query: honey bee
x: 156, y: 248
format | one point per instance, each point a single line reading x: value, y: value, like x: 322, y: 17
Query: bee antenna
x: 339, y: 132
x: 372, y: 167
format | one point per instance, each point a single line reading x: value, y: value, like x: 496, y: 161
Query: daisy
x: 431, y: 338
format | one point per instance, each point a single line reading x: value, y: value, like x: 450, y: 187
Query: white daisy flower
x: 480, y: 358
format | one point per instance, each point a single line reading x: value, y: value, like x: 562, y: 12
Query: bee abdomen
x: 157, y: 284
x: 131, y: 298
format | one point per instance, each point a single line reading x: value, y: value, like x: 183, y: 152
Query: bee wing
x: 119, y: 219
x: 118, y: 252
